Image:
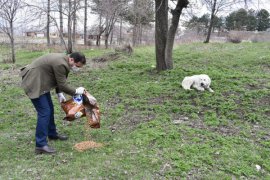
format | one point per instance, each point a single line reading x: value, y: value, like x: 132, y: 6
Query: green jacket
x: 46, y: 73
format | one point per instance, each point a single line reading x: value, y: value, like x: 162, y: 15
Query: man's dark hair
x: 78, y: 57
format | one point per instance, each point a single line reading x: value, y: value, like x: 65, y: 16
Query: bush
x: 234, y: 38
x: 7, y: 58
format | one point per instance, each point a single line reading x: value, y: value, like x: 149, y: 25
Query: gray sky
x: 197, y: 9
x: 252, y: 4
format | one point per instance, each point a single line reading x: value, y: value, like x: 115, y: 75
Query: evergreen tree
x: 241, y: 19
x: 251, y: 20
x: 230, y: 21
x: 263, y: 20
x: 237, y: 20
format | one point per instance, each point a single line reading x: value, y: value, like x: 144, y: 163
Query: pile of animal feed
x: 84, y: 145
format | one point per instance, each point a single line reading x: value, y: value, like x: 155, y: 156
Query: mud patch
x: 264, y: 101
x: 228, y: 130
x: 131, y: 119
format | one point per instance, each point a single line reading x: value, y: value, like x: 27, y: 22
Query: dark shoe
x: 58, y: 137
x: 45, y: 150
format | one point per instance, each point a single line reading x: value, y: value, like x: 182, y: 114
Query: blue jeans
x: 45, y: 119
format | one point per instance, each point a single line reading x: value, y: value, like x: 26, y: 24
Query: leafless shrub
x: 107, y: 57
x: 260, y: 37
x: 34, y: 47
x: 89, y: 43
x: 234, y: 38
x: 57, y: 48
x: 7, y: 58
x: 189, y: 36
x: 127, y: 49
x: 248, y: 36
x: 255, y: 39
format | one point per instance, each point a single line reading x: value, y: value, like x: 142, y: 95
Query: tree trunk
x: 100, y: 31
x: 106, y: 32
x: 134, y: 35
x: 106, y: 41
x: 172, y: 31
x: 48, y: 22
x: 161, y: 29
x: 69, y: 50
x: 12, y: 43
x: 61, y: 21
x: 211, y: 22
x: 85, y: 22
x: 74, y: 23
x: 13, y: 50
x: 141, y: 33
x: 111, y: 40
x: 98, y: 40
x: 120, y: 38
x: 135, y: 26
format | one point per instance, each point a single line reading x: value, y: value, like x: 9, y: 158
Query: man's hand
x: 61, y: 97
x: 80, y: 90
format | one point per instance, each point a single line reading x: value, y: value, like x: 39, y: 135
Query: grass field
x: 151, y: 128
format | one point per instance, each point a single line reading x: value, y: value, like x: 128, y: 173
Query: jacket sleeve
x: 61, y: 73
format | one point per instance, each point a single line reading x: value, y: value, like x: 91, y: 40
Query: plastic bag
x: 80, y: 106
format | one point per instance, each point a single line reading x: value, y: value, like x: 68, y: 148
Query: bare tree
x: 164, y: 37
x: 136, y: 22
x: 120, y: 31
x: 111, y: 16
x: 172, y: 31
x: 74, y: 18
x: 140, y: 14
x: 161, y: 27
x: 69, y: 10
x: 8, y: 13
x: 109, y: 25
x: 85, y: 22
x: 61, y: 30
x: 69, y: 26
x: 41, y: 15
x: 101, y: 29
x: 66, y: 9
x: 108, y: 12
x: 48, y: 22
x: 216, y: 6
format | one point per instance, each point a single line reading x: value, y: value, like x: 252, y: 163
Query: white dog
x: 199, y: 82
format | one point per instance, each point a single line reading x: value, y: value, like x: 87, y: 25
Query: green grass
x: 225, y: 136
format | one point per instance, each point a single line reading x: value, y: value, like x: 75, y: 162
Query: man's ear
x: 71, y: 61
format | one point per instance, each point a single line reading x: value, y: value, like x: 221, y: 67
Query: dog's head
x: 205, y: 81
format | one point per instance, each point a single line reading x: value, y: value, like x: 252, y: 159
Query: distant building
x: 54, y: 35
x: 34, y: 34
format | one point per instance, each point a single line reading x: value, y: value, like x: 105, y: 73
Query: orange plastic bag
x: 80, y: 106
